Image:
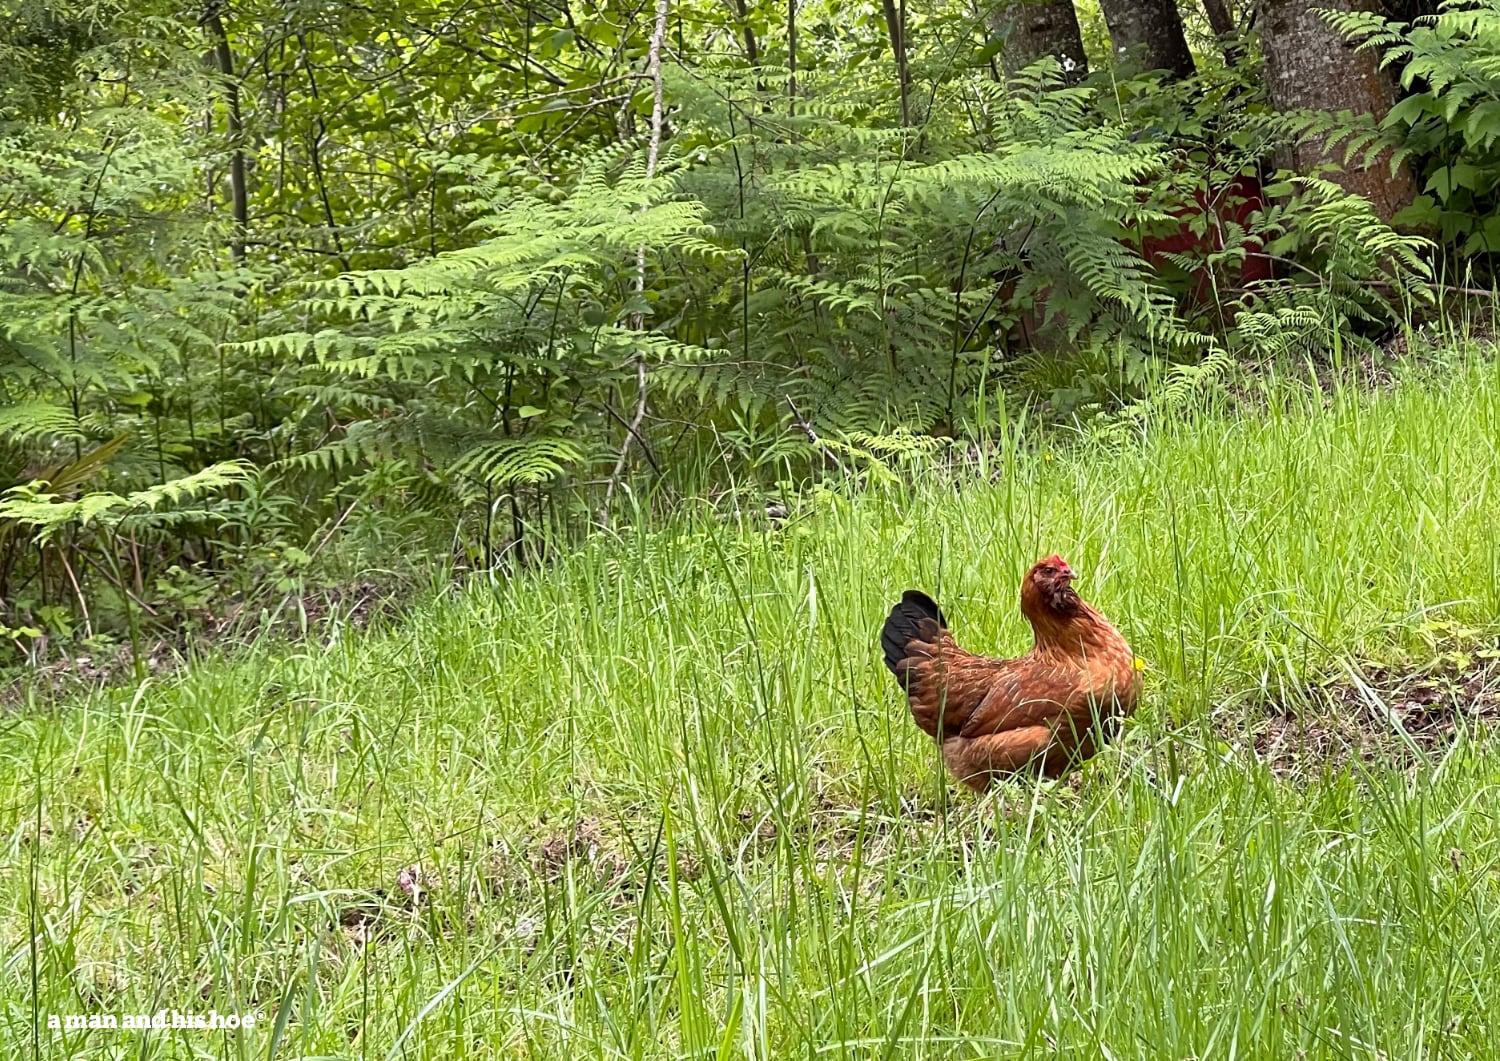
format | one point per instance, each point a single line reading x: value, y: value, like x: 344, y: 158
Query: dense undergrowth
x: 660, y: 800
x: 261, y: 326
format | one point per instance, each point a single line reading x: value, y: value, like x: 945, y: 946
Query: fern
x: 33, y: 421
x: 506, y: 462
x: 45, y: 513
x: 1184, y: 387
x: 1448, y: 123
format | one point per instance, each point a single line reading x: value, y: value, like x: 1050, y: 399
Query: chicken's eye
x: 1049, y: 570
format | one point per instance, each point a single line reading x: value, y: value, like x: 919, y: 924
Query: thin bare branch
x: 638, y: 319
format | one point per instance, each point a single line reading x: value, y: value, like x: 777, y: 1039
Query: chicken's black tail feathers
x: 916, y: 617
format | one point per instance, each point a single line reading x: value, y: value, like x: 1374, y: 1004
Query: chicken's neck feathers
x: 1084, y: 632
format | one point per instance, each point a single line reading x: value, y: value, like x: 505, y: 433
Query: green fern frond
x: 35, y: 421
x: 529, y: 459
x: 47, y: 513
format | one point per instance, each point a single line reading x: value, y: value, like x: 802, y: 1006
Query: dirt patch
x: 583, y: 845
x: 829, y: 830
x: 366, y: 917
x: 518, y: 867
x: 1380, y: 715
x: 832, y: 831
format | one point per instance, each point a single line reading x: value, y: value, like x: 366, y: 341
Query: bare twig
x: 1477, y: 292
x: 315, y: 155
x: 807, y: 428
x: 119, y: 585
x: 513, y: 105
x: 638, y: 319
x: 645, y: 449
x: 83, y: 605
x: 812, y: 436
x: 332, y: 531
x: 630, y: 433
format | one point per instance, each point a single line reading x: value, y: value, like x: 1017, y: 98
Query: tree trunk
x: 1309, y: 66
x: 1222, y: 23
x: 791, y: 51
x: 1219, y: 18
x: 1034, y: 29
x: 752, y: 46
x: 1155, y: 27
x: 895, y: 24
x: 222, y: 58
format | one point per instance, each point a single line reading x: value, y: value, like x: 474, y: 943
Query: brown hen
x: 1043, y: 712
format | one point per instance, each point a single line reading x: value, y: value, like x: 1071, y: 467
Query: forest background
x: 305, y: 304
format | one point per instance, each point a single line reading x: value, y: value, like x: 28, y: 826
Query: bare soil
x: 1382, y: 714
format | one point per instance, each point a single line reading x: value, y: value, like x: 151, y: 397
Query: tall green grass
x: 665, y: 802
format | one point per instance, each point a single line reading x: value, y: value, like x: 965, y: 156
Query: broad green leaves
x: 1450, y: 118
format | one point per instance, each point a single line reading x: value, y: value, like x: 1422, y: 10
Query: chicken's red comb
x: 1055, y: 561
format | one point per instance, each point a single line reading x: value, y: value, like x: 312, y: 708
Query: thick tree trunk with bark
x: 1033, y: 29
x: 1309, y: 66
x: 1153, y: 26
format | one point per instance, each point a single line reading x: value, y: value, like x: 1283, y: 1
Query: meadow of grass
x: 662, y: 800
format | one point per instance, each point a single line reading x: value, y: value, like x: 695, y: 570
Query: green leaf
x: 1448, y: 180
x: 1482, y: 126
x: 1423, y: 212
x: 1485, y: 239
